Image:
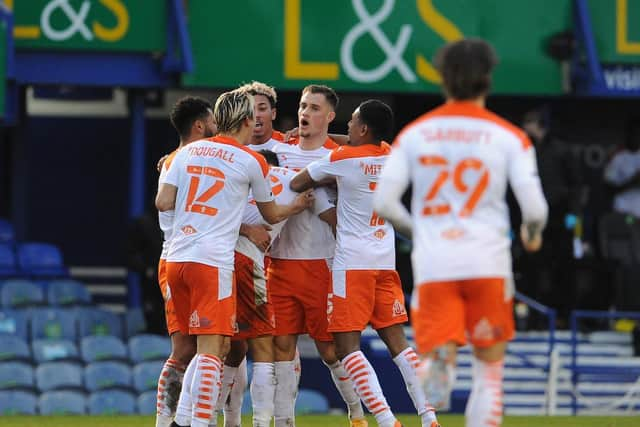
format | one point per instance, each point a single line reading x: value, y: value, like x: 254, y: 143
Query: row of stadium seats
x: 16, y: 293
x: 69, y: 323
x: 109, y: 402
x: 31, y: 260
x: 65, y: 402
x: 73, y: 376
x: 139, y: 348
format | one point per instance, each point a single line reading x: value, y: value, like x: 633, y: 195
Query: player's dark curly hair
x: 186, y: 111
x: 378, y: 117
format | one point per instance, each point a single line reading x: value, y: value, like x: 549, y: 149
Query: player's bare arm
x: 303, y: 181
x: 274, y: 213
x: 166, y: 197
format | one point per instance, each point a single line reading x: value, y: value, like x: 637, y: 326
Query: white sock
x: 408, y: 362
x: 263, y: 391
x: 204, y: 389
x: 285, y: 395
x: 297, y: 367
x: 227, y: 379
x: 365, y: 380
x: 345, y: 388
x: 484, y: 408
x: 233, y: 405
x: 169, y: 385
x: 183, y: 410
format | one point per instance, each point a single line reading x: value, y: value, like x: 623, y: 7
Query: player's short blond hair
x: 259, y: 88
x: 231, y: 109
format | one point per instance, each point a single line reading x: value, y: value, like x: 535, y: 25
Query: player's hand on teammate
x: 531, y: 237
x: 304, y: 200
x: 291, y: 134
x: 259, y: 235
x: 161, y: 162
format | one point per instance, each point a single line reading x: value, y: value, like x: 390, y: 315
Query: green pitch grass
x: 319, y: 421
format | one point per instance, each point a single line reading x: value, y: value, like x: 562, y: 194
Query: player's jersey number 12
x: 197, y: 202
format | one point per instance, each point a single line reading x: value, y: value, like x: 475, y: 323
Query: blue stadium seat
x: 67, y: 292
x: 146, y: 374
x: 16, y: 375
x: 8, y: 261
x: 48, y: 350
x: 62, y: 402
x: 53, y: 323
x: 311, y: 402
x: 41, y: 260
x: 149, y: 347
x: 7, y: 233
x: 14, y: 322
x: 18, y: 402
x: 147, y: 402
x: 108, y: 402
x: 17, y: 293
x: 14, y: 348
x: 59, y: 375
x: 134, y: 322
x: 106, y: 375
x: 97, y: 348
x: 95, y: 321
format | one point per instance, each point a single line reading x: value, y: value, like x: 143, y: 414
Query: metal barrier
x: 575, y: 370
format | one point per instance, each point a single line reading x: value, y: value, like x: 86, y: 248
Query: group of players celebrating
x: 268, y: 238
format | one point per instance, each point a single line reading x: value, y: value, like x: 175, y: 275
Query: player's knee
x: 492, y: 353
x: 236, y: 353
x: 184, y: 348
x: 284, y: 348
x: 327, y: 351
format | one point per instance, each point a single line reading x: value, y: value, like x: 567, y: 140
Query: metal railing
x: 575, y: 369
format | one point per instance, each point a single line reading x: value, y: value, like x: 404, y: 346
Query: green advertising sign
x: 118, y: 25
x: 388, y: 45
x: 380, y: 45
x: 616, y: 30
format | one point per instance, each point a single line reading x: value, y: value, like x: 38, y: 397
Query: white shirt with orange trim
x: 459, y: 158
x: 364, y: 240
x: 213, y: 178
x: 276, y: 138
x: 280, y: 178
x: 305, y: 236
x: 165, y: 219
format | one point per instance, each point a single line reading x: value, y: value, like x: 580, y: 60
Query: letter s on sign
x: 122, y: 22
x: 444, y: 28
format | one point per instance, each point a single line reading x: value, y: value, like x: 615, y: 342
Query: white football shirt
x: 213, y: 178
x: 459, y: 158
x: 364, y: 240
x: 276, y: 138
x: 305, y: 236
x: 165, y: 219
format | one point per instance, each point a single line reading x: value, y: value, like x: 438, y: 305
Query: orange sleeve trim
x: 259, y: 157
x: 330, y: 144
x: 262, y: 162
x: 468, y: 109
x: 167, y: 163
x: 345, y: 152
x: 278, y: 136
